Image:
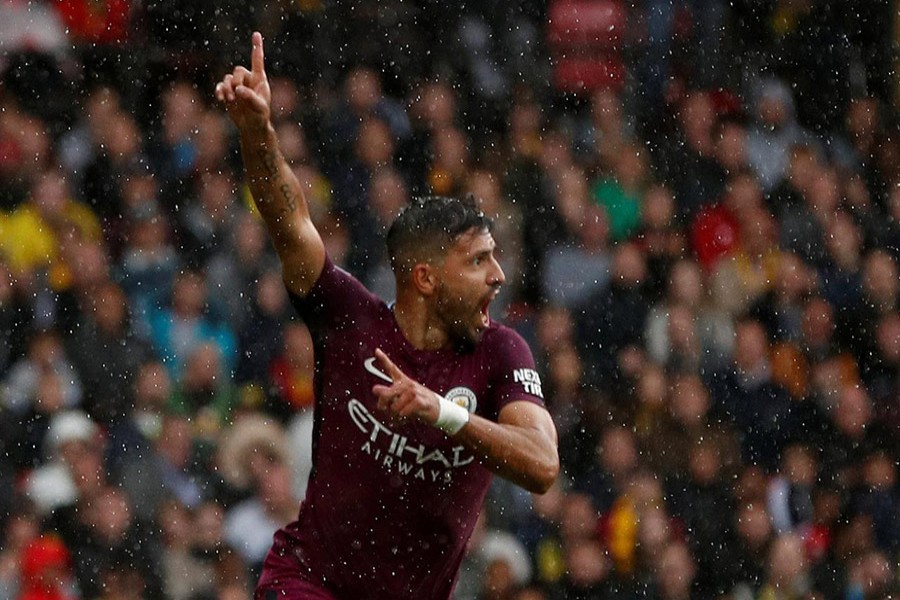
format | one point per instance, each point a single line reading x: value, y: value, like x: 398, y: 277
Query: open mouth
x: 485, y: 312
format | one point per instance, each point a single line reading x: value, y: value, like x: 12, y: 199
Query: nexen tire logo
x: 530, y: 381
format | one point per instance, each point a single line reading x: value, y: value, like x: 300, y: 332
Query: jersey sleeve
x: 514, y: 374
x: 337, y: 300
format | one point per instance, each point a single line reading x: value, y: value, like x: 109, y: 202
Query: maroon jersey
x: 390, y: 505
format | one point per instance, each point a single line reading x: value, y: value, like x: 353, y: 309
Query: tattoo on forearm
x: 289, y: 199
x: 269, y: 162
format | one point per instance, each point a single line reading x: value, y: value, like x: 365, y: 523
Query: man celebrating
x: 417, y: 403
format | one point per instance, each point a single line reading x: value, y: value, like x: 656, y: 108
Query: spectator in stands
x: 774, y: 132
x: 204, y: 391
x: 106, y: 353
x: 99, y: 531
x: 168, y: 470
x: 207, y: 221
x: 613, y: 319
x: 745, y: 394
x: 178, y: 330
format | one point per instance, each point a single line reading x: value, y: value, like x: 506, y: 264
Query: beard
x: 462, y: 319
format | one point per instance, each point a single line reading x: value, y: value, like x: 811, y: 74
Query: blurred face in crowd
x: 362, y: 90
x: 705, y: 462
x: 731, y: 151
x: 787, y: 561
x: 217, y: 195
x: 249, y: 238
x: 686, y: 283
x: 375, y: 144
x: 293, y: 142
x: 800, y: 466
x: 50, y: 194
x: 618, y: 453
x: 629, y: 268
x: 793, y: 277
x: 862, y: 118
x: 49, y: 397
x: 110, y: 308
x: 818, y: 323
x: 853, y: 412
x: 110, y: 514
x: 555, y: 328
x: 689, y: 401
x: 697, y: 118
x: 888, y: 337
x: 658, y: 208
x: 880, y: 472
x: 631, y: 168
x: 751, y: 348
x: 450, y: 147
x: 773, y: 111
x: 204, y: 368
x: 175, y: 441
x: 387, y: 195
x: 654, y: 532
x: 571, y: 196
x: 652, y: 386
x: 881, y: 279
x: 152, y: 387
x: 565, y: 369
x: 181, y: 111
x: 124, y: 140
x: 189, y: 295
x: 587, y: 562
x: 677, y: 571
x: 578, y: 517
x: 437, y: 105
x: 824, y: 194
x: 285, y: 97
x: 270, y: 295
x: 101, y: 107
x: 593, y: 231
x: 753, y: 525
x: 844, y: 241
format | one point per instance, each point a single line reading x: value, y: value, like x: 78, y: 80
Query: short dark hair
x: 428, y: 226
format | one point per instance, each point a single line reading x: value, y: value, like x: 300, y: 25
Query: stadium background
x: 698, y: 206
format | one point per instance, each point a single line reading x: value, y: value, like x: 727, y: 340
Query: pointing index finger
x: 257, y: 57
x: 392, y: 369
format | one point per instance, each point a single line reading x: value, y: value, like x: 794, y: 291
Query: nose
x: 496, y: 276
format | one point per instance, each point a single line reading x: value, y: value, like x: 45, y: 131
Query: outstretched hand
x: 405, y: 397
x: 246, y: 94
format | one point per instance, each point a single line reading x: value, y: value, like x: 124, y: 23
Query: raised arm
x: 521, y: 446
x: 275, y: 188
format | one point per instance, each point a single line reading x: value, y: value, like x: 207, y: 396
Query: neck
x: 418, y: 325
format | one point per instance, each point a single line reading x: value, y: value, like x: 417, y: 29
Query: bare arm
x: 275, y: 188
x: 521, y: 446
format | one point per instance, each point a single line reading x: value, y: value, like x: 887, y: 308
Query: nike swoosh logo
x: 371, y: 368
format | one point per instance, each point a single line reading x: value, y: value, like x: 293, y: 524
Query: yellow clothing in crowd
x: 29, y: 242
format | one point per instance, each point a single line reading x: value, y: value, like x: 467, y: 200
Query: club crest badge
x: 464, y: 397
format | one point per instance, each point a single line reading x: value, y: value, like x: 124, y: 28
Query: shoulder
x: 506, y: 350
x: 336, y: 297
x: 500, y: 337
x: 512, y: 368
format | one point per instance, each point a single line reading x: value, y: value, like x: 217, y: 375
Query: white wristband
x: 451, y: 417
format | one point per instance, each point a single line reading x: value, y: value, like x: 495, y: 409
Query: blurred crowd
x: 703, y: 250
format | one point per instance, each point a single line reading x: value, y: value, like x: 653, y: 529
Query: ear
x: 424, y: 279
